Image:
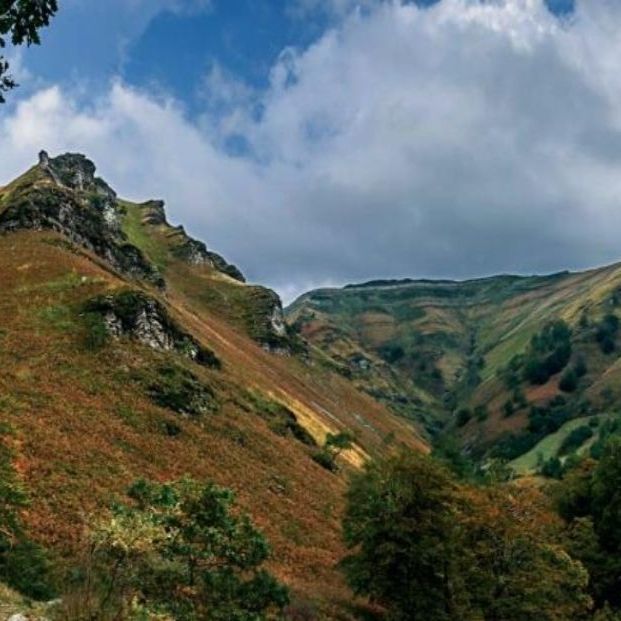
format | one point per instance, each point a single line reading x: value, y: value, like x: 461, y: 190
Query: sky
x: 323, y: 142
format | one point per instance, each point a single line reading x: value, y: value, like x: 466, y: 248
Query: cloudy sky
x: 318, y: 142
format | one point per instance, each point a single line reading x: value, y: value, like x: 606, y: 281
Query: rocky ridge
x: 64, y: 194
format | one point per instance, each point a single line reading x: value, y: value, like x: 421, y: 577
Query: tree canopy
x: 20, y: 22
x: 426, y: 547
x: 180, y: 550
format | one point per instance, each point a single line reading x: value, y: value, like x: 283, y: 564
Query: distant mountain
x: 501, y: 362
x: 129, y: 349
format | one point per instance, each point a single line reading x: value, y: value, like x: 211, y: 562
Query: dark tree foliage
x: 575, y: 439
x: 333, y: 446
x: 20, y: 22
x: 463, y: 417
x: 549, y: 353
x: 425, y: 547
x: 552, y: 468
x: 569, y: 381
x: 606, y: 333
x: 589, y: 499
x: 400, y: 525
x: 183, y: 551
x: 580, y: 367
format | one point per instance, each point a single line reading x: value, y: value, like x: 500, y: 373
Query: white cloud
x: 458, y: 140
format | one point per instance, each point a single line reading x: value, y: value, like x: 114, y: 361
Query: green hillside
x: 483, y: 358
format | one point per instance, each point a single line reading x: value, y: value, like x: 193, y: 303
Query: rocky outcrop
x: 80, y: 206
x: 135, y: 315
x: 63, y: 194
x: 186, y: 248
x: 266, y: 323
x: 195, y: 252
x: 179, y: 390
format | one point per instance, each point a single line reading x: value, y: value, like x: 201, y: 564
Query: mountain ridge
x: 429, y: 349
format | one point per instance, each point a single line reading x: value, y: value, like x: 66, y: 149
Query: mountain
x: 500, y: 362
x: 131, y: 350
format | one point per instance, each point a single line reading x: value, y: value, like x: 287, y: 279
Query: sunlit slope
x: 206, y: 381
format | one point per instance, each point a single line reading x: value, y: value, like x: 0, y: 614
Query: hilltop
x: 131, y: 350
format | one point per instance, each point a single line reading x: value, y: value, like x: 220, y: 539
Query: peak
x: 75, y: 171
x: 154, y: 212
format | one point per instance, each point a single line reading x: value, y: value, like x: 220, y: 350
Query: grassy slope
x: 497, y: 315
x: 550, y: 445
x: 83, y: 428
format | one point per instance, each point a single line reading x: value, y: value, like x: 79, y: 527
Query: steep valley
x: 452, y: 355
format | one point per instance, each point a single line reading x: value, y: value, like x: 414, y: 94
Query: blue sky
x: 319, y: 142
x: 171, y: 45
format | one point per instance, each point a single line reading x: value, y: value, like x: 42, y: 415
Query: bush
x: 481, y: 412
x: 464, y: 415
x: 552, y: 468
x: 178, y: 550
x: 575, y: 439
x: 509, y: 408
x: 549, y: 353
x: 606, y: 333
x: 179, y: 390
x: 281, y: 420
x: 581, y: 367
x: 95, y: 331
x: 333, y: 446
x: 569, y: 381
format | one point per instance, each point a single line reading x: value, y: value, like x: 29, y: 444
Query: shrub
x: 281, y: 420
x: 178, y: 550
x: 581, y: 367
x: 481, y: 412
x: 606, y: 333
x: 552, y: 468
x: 509, y: 408
x: 95, y: 331
x: 464, y: 415
x: 179, y: 390
x: 575, y: 439
x: 569, y: 381
x: 549, y: 353
x: 23, y: 563
x: 333, y: 446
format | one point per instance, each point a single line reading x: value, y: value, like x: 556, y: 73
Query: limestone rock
x: 137, y: 316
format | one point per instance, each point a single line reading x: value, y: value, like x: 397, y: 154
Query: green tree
x: 20, y: 22
x: 569, y: 381
x: 181, y: 550
x: 589, y: 499
x: 401, y: 529
x: 549, y: 352
x: 518, y: 569
x: 428, y: 548
x: 333, y: 446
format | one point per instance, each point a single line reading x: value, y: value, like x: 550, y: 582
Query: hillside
x: 462, y: 356
x: 131, y: 350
